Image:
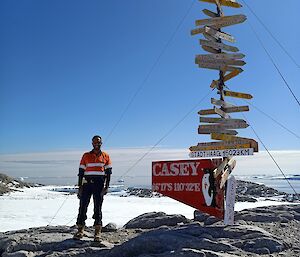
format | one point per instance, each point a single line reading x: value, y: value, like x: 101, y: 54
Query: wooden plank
x: 222, y: 67
x: 210, y: 49
x: 225, y: 137
x: 219, y: 22
x: 227, y: 3
x: 244, y: 108
x: 210, y: 13
x: 221, y: 153
x: 221, y: 103
x: 221, y: 113
x: 237, y: 94
x: 217, y: 130
x: 221, y: 167
x: 230, y: 201
x: 219, y: 35
x: 219, y: 61
x: 207, y: 112
x: 197, y: 31
x: 209, y: 37
x: 230, y: 166
x: 225, y: 126
x: 218, y: 146
x: 221, y: 120
x: 217, y: 45
x: 222, y: 56
x: 214, y: 83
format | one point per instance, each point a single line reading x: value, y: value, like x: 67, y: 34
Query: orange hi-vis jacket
x: 94, y: 164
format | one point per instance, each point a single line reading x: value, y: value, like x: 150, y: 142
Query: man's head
x: 97, y: 142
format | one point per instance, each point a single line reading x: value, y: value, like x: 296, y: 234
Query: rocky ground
x: 246, y: 191
x: 272, y: 231
x: 9, y: 184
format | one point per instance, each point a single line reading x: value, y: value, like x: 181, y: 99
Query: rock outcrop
x: 272, y: 231
x: 9, y: 184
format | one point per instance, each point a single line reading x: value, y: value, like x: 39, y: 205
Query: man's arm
x: 108, y: 172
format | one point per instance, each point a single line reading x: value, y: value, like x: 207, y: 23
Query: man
x: 93, y: 179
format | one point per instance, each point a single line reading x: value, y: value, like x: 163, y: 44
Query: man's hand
x: 79, y: 192
x: 104, y: 191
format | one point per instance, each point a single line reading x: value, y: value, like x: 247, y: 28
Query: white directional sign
x: 221, y: 153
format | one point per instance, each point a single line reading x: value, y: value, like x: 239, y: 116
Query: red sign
x: 190, y: 182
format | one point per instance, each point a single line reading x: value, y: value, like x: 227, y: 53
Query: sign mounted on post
x: 191, y: 182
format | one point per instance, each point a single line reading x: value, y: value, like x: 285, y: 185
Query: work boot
x: 80, y: 232
x: 97, y: 233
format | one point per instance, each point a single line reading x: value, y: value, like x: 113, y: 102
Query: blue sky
x: 68, y: 69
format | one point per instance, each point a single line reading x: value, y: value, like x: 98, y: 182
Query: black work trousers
x: 92, y: 187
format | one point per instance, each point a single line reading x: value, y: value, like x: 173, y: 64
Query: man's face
x: 97, y: 142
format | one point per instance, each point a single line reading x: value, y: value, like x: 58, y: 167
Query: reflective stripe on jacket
x: 94, y: 164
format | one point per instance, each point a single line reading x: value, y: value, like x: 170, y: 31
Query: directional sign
x: 237, y: 109
x: 227, y: 77
x: 209, y: 37
x: 217, y: 45
x: 221, y: 103
x: 218, y: 146
x: 215, y: 66
x: 224, y: 21
x: 219, y: 35
x: 221, y: 113
x: 241, y: 140
x: 237, y: 94
x: 224, y: 126
x: 210, y: 49
x: 230, y: 201
x: 221, y: 120
x: 210, y: 13
x: 216, y: 129
x: 199, y: 60
x: 228, y: 3
x: 221, y: 153
x: 222, y: 56
x: 197, y: 31
x: 190, y: 182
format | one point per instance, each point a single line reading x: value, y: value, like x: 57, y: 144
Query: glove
x: 79, y: 192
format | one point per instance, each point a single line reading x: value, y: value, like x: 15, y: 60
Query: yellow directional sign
x: 218, y: 22
x: 227, y: 77
x: 217, y: 45
x: 228, y: 3
x: 241, y: 140
x: 237, y: 94
x: 219, y: 147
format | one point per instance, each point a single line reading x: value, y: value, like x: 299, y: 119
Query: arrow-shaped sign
x: 224, y: 21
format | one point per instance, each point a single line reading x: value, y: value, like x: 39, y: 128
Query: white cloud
x: 49, y: 166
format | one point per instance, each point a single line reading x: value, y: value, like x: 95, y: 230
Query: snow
x: 34, y: 207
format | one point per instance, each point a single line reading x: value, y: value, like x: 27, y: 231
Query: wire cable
x: 271, y: 34
x: 260, y: 140
x: 278, y: 70
x: 150, y: 71
x: 58, y: 209
x: 165, y: 135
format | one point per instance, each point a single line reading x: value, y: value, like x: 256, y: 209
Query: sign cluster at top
x: 226, y: 59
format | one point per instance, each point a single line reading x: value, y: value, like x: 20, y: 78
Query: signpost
x: 201, y: 182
